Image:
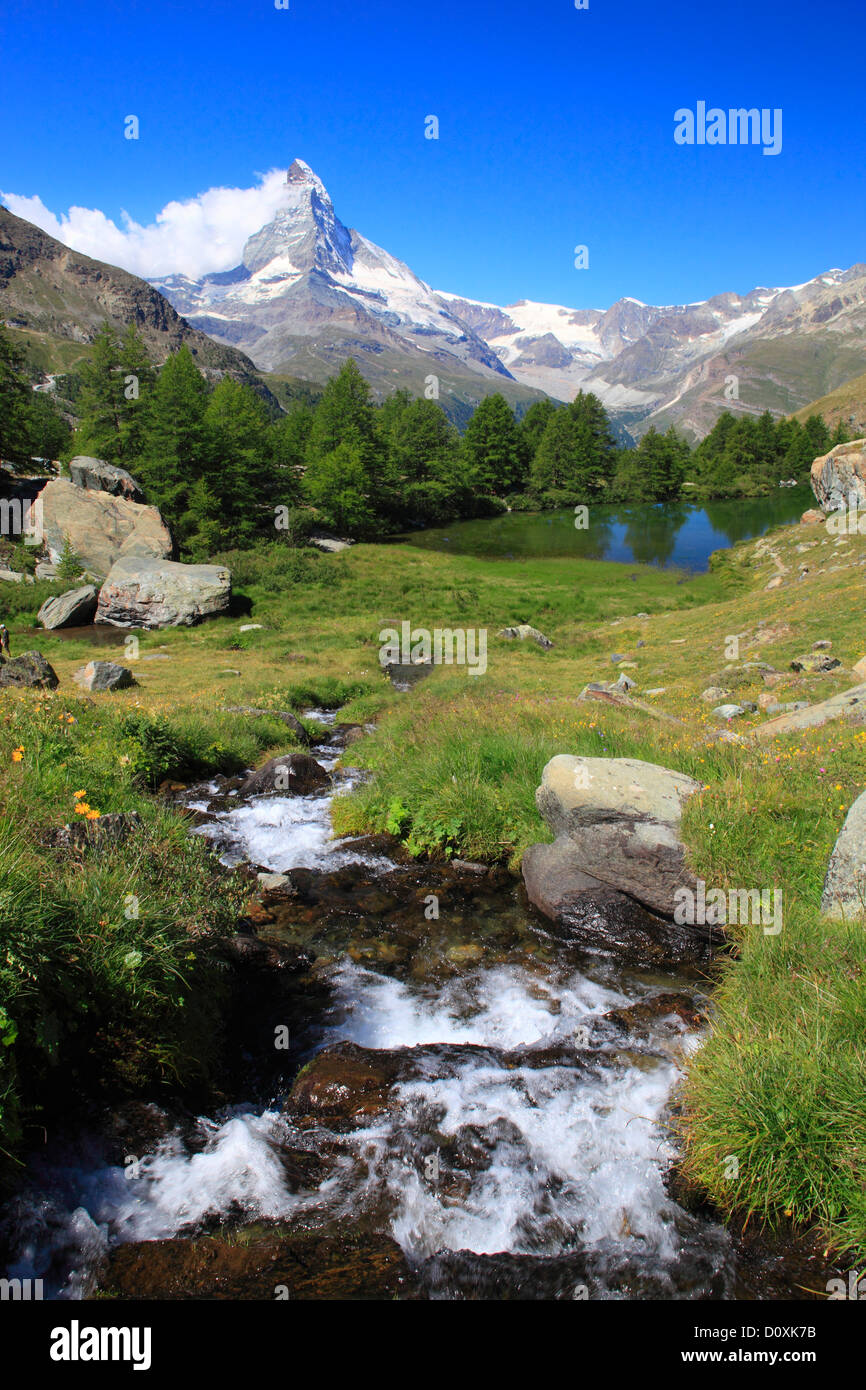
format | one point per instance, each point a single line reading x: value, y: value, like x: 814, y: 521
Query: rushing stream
x: 516, y: 1143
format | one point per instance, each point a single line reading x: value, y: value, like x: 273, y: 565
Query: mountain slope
x: 309, y: 293
x: 847, y: 403
x: 668, y: 364
x: 56, y: 299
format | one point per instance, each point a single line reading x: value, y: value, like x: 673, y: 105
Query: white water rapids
x: 573, y: 1157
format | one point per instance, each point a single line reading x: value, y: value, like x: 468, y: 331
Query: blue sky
x: 556, y: 128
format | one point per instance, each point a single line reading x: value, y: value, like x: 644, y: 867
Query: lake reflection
x: 679, y: 534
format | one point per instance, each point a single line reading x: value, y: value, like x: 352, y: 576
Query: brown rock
x: 341, y: 1262
x: 101, y: 528
x: 294, y: 774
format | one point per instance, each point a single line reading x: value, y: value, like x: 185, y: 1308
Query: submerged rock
x: 295, y: 773
x: 343, y: 1261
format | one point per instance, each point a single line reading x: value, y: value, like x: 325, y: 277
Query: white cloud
x: 192, y: 237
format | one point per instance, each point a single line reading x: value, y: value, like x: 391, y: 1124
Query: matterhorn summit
x: 309, y: 293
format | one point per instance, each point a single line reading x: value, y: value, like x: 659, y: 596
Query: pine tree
x: 288, y: 441
x: 531, y: 429
x: 577, y: 454
x: 552, y: 467
x: 424, y: 464
x: 100, y: 407
x: 174, y: 451
x: 237, y: 458
x: 339, y: 484
x: 48, y: 430
x: 137, y: 379
x: 15, y: 419
x: 491, y: 448
x: 346, y: 456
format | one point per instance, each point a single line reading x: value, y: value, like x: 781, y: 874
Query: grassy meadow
x: 778, y: 1083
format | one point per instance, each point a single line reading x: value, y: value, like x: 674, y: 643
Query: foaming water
x: 567, y: 1157
x: 502, y: 1007
x: 487, y: 1151
x: 286, y: 832
x: 84, y: 1208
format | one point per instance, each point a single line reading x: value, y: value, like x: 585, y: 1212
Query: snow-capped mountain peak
x: 304, y: 270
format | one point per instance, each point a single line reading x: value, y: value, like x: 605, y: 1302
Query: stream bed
x: 437, y: 1097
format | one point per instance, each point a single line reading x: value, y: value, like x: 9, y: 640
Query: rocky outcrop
x: 596, y: 917
x: 844, y: 895
x: 75, y: 608
x: 103, y: 675
x: 839, y: 478
x: 617, y: 820
x: 292, y: 773
x: 848, y: 704
x: 95, y: 475
x: 147, y: 592
x: 815, y: 662
x: 101, y: 528
x: 29, y: 670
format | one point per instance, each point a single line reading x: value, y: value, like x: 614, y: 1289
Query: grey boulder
x: 30, y: 670
x: 619, y: 819
x: 144, y: 592
x: 72, y: 609
x: 523, y: 632
x: 95, y: 475
x: 103, y: 675
x: 844, y: 895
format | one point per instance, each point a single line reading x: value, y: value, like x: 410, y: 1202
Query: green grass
x: 108, y: 981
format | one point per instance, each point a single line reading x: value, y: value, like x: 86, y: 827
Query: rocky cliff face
x: 48, y: 289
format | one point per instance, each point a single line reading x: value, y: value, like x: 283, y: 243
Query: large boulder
x: 844, y: 893
x: 72, y: 609
x: 839, y: 478
x: 620, y: 818
x: 146, y: 592
x: 30, y: 670
x: 95, y: 475
x: 103, y: 675
x: 101, y: 528
x: 595, y: 917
